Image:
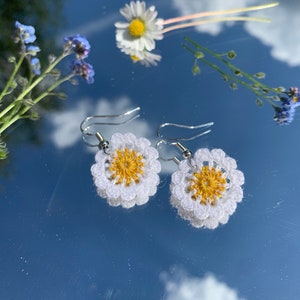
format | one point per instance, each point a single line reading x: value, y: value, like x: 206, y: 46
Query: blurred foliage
x: 46, y: 17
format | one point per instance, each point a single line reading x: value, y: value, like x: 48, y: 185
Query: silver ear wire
x: 89, y: 124
x: 175, y: 141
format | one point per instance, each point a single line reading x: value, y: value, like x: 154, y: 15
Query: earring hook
x: 88, y: 125
x: 175, y: 141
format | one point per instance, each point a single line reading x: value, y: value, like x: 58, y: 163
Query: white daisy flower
x: 146, y: 58
x: 128, y: 174
x: 206, y: 189
x: 142, y: 28
x: 149, y: 59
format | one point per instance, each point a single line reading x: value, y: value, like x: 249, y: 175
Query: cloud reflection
x: 279, y: 34
x: 66, y: 124
x: 92, y: 27
x: 184, y: 287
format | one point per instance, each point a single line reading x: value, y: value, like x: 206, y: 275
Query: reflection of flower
x: 128, y: 174
x: 145, y: 57
x: 206, y: 189
x: 143, y: 27
x: 284, y: 115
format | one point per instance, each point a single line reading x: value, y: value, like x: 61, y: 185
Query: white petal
x: 218, y: 154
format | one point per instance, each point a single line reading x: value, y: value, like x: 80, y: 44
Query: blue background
x: 59, y: 240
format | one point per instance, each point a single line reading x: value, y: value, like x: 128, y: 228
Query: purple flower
x: 80, y: 67
x: 284, y: 115
x: 79, y: 45
x: 35, y: 66
x: 24, y: 33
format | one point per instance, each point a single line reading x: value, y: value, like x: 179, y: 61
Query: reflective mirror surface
x: 60, y: 240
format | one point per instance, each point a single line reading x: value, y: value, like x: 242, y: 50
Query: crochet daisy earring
x: 126, y: 168
x: 207, y: 185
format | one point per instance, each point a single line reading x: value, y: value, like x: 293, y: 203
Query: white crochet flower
x: 128, y: 175
x: 142, y: 28
x: 206, y: 189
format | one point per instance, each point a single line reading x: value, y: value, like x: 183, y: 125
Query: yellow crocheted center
x: 126, y: 166
x: 137, y: 28
x: 209, y: 183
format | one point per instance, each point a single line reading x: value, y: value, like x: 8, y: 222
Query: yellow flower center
x: 137, y: 28
x: 209, y: 183
x: 135, y: 58
x: 295, y: 99
x: 126, y: 166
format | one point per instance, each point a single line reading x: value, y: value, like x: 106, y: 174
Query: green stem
x: 7, y: 109
x: 230, y: 77
x: 12, y: 77
x: 20, y: 114
x: 248, y: 76
x: 41, y: 77
x: 231, y: 66
x: 49, y: 90
x: 238, y: 81
x: 27, y: 90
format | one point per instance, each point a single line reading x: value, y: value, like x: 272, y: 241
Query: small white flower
x: 142, y: 28
x: 144, y: 57
x: 128, y: 175
x: 206, y: 189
